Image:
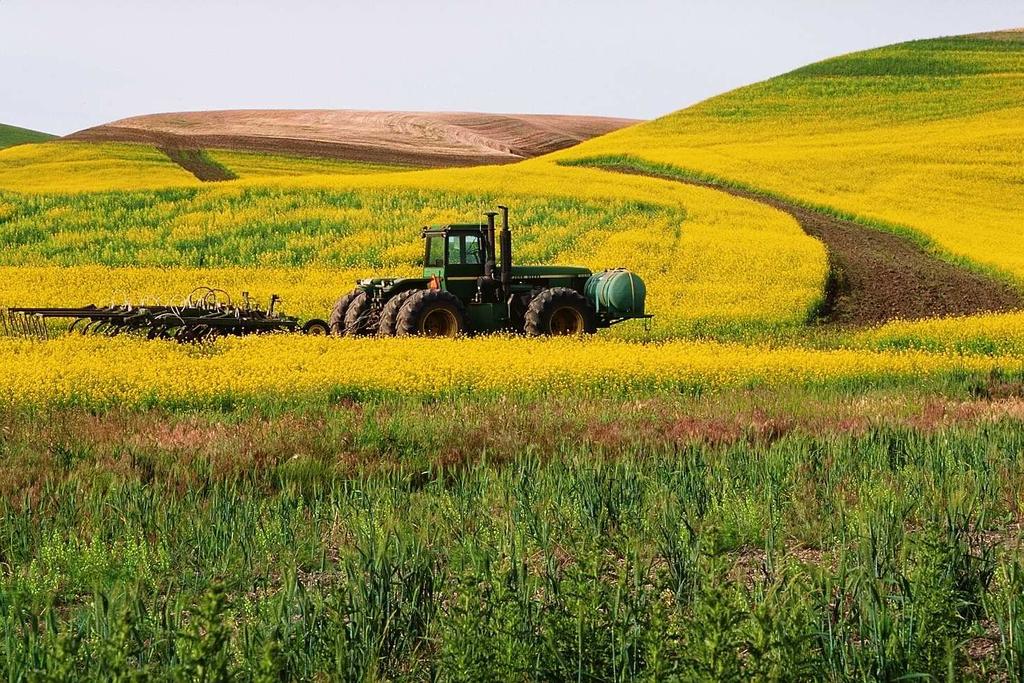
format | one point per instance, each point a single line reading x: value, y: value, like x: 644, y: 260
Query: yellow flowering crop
x: 712, y: 262
x: 928, y: 135
x: 1000, y: 333
x: 89, y: 167
x: 125, y: 371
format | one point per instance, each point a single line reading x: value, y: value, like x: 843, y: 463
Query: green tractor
x: 465, y: 290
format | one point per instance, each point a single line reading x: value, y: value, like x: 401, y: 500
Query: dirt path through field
x: 877, y: 276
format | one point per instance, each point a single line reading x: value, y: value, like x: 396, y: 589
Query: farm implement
x: 467, y: 287
x: 206, y: 314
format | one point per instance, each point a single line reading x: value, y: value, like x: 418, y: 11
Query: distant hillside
x: 13, y: 135
x: 412, y: 138
x: 924, y: 135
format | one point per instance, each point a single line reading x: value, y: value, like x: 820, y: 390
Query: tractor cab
x: 455, y: 257
x: 454, y: 250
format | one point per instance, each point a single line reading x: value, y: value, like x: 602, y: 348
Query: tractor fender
x: 403, y: 285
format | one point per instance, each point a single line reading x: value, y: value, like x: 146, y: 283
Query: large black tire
x: 388, y: 325
x: 559, y: 311
x: 431, y: 313
x: 360, y: 316
x: 337, y: 319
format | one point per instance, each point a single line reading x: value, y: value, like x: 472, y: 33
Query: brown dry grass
x: 1005, y: 34
x: 180, y: 449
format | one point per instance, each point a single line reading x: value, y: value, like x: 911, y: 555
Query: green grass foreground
x: 807, y: 534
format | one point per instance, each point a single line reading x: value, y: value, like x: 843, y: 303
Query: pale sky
x: 71, y: 64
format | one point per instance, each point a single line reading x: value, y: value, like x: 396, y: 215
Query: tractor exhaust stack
x: 491, y: 257
x: 506, y: 255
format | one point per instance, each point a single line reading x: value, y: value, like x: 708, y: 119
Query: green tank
x: 617, y: 293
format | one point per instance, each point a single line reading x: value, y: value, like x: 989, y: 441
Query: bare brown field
x: 409, y: 138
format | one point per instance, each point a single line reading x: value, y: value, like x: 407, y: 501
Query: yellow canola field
x: 253, y: 370
x: 995, y: 333
x: 960, y: 183
x: 89, y: 167
x: 712, y: 262
x: 927, y: 136
x: 730, y: 264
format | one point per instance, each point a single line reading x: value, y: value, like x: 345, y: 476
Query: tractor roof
x: 453, y: 226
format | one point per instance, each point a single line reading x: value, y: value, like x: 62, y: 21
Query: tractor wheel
x: 337, y: 319
x: 389, y: 316
x: 316, y: 328
x: 431, y: 313
x: 360, y: 316
x: 559, y: 311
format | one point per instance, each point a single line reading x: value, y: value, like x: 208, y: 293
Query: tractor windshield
x: 471, y: 254
x: 435, y: 251
x: 464, y: 250
x: 455, y: 249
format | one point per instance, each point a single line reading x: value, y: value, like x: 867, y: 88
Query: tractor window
x: 472, y: 251
x: 455, y: 249
x: 435, y: 251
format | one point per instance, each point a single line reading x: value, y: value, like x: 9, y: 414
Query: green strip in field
x: 260, y: 165
x: 272, y: 226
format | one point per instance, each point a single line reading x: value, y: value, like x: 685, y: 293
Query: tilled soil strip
x: 320, y: 149
x: 877, y: 276
x: 195, y: 162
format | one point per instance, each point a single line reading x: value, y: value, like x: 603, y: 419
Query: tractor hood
x: 549, y: 271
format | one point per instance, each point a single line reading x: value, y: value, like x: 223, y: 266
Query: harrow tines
x: 18, y: 324
x: 207, y: 314
x: 22, y: 323
x: 9, y: 321
x: 25, y: 326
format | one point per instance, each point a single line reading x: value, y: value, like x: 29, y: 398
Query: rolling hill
x: 924, y: 137
x: 13, y: 135
x: 404, y: 138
